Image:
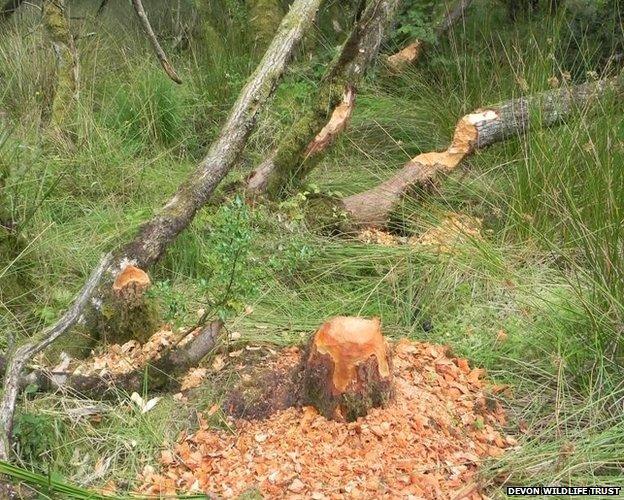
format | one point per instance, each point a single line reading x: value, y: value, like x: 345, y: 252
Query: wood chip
x: 425, y: 444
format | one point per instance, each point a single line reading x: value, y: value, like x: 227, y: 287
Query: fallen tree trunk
x: 474, y: 131
x: 347, y: 369
x: 9, y: 7
x: 156, y: 375
x: 17, y: 362
x: 411, y: 52
x: 305, y: 142
x: 151, y: 36
x: 67, y: 83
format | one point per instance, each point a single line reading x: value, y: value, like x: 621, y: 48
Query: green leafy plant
x: 415, y: 22
x: 35, y: 435
x: 231, y: 280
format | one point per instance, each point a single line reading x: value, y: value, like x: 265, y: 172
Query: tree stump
x: 127, y: 312
x: 347, y: 369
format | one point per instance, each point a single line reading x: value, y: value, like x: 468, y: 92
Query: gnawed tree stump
x: 127, y: 312
x: 347, y: 368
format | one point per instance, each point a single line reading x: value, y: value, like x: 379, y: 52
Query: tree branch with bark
x: 304, y: 144
x: 16, y: 363
x: 156, y: 374
x: 151, y: 36
x: 474, y: 131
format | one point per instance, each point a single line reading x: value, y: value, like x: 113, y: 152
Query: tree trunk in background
x: 302, y: 147
x: 474, y: 131
x: 9, y: 7
x: 66, y: 80
x: 347, y: 369
x: 158, y: 233
x: 411, y: 52
x: 264, y: 18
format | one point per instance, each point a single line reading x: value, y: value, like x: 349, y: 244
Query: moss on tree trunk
x: 62, y: 115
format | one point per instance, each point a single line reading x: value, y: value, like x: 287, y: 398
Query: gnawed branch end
x: 474, y: 131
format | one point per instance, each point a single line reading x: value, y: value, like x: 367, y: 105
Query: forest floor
x: 503, y: 283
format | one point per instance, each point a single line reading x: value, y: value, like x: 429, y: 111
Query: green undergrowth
x: 538, y: 301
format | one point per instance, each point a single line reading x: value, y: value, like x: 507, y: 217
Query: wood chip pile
x: 427, y: 443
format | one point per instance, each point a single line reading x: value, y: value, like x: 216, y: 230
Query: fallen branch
x: 156, y: 375
x: 411, y: 52
x: 151, y: 36
x: 474, y: 131
x: 17, y: 362
x: 302, y: 147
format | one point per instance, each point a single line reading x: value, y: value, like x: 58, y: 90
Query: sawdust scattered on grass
x: 454, y: 230
x: 119, y: 359
x: 428, y: 443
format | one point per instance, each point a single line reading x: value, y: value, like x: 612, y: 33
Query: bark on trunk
x: 9, y: 7
x: 151, y: 36
x: 411, y: 52
x: 474, y: 131
x: 17, y: 362
x: 66, y: 86
x: 347, y: 370
x: 303, y: 145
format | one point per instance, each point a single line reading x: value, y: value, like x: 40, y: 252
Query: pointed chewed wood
x: 474, y: 131
x: 347, y: 368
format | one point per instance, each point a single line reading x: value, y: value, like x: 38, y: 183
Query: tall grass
x: 548, y: 272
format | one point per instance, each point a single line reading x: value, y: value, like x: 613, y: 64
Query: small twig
x: 160, y: 53
x: 26, y: 352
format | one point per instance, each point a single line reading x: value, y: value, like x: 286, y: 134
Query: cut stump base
x: 347, y: 368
